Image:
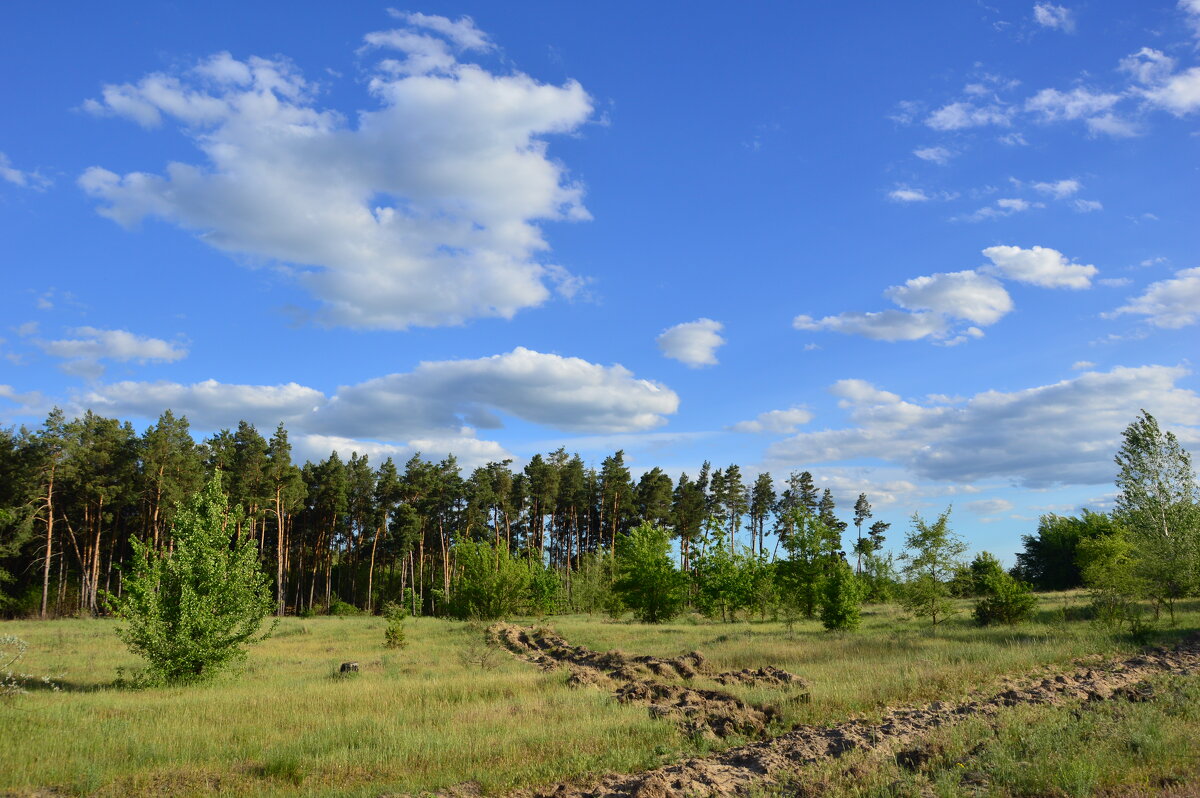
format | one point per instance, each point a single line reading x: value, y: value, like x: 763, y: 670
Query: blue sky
x: 940, y: 253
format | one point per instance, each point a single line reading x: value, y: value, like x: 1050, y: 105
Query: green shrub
x: 841, y: 599
x: 344, y: 609
x: 190, y: 612
x: 1003, y: 599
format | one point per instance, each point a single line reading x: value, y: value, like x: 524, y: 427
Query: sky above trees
x: 940, y: 253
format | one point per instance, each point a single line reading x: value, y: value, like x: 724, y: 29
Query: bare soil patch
x: 779, y: 760
x: 663, y: 685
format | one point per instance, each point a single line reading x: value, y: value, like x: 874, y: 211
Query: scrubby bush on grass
x: 1003, y: 599
x: 394, y: 635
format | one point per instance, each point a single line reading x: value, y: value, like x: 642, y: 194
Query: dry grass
x: 435, y: 714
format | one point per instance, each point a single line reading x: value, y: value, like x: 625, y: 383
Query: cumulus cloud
x: 1039, y: 266
x: 84, y: 352
x: 938, y: 155
x: 884, y: 325
x: 989, y: 506
x: 436, y: 400
x: 10, y: 174
x: 1178, y: 94
x: 961, y: 115
x: 962, y: 295
x: 1049, y: 15
x: 949, y: 308
x: 1053, y: 105
x: 777, y: 421
x: 905, y: 194
x: 1063, y: 433
x: 1059, y: 188
x: 694, y: 342
x: 1170, y: 304
x: 426, y: 209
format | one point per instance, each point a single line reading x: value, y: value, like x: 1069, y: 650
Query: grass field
x: 447, y: 710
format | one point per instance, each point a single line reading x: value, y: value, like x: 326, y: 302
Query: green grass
x: 443, y: 712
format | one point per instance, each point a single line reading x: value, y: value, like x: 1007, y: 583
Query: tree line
x: 77, y: 496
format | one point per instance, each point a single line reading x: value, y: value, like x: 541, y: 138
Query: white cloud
x: 1087, y: 206
x: 884, y: 325
x: 121, y: 345
x: 562, y: 392
x: 905, y: 194
x: 1179, y: 94
x: 17, y: 177
x: 694, y: 343
x: 990, y: 506
x: 1049, y: 15
x: 1005, y: 206
x: 1111, y: 125
x: 1170, y: 304
x: 960, y: 115
x: 1054, y: 105
x: 424, y: 210
x: 468, y: 450
x: 1082, y: 365
x: 1114, y: 282
x: 1191, y: 8
x: 1064, y: 433
x: 436, y: 401
x: 858, y: 392
x: 1039, y: 266
x: 1148, y: 66
x: 778, y: 421
x: 962, y: 295
x: 84, y: 352
x: 208, y: 404
x: 938, y: 155
x: 1058, y: 189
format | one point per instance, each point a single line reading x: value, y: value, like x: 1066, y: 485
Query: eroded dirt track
x: 761, y: 764
x: 663, y: 685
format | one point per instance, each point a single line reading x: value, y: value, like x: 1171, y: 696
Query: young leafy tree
x: 1002, y: 599
x: 934, y: 552
x: 647, y: 580
x: 812, y: 549
x: 841, y: 599
x: 1159, y: 504
x: 723, y: 578
x: 191, y: 612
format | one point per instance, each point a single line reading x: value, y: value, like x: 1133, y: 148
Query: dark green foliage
x: 1049, y: 560
x: 841, y: 599
x: 647, y: 580
x: 191, y: 612
x: 1003, y: 599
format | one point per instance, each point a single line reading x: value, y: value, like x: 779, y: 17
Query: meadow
x: 449, y: 712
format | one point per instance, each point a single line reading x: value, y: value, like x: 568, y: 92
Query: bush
x: 343, y: 609
x: 191, y: 612
x: 1003, y: 600
x: 841, y: 598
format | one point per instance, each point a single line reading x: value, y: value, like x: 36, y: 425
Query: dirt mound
x: 758, y: 765
x: 653, y: 681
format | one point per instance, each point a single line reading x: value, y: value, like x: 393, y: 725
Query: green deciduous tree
x: 934, y: 551
x: 1158, y: 504
x: 191, y: 612
x: 647, y: 580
